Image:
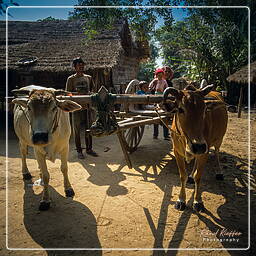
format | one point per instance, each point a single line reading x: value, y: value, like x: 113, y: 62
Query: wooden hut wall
x: 101, y: 77
x: 124, y: 72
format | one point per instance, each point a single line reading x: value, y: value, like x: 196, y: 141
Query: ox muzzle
x: 198, y: 148
x: 40, y: 138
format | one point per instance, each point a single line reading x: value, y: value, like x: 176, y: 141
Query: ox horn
x: 18, y: 92
x: 172, y: 91
x: 206, y: 89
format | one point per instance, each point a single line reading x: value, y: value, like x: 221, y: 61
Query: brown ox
x: 197, y: 125
x: 42, y: 121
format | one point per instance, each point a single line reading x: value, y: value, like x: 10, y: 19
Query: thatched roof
x: 241, y: 76
x: 56, y: 43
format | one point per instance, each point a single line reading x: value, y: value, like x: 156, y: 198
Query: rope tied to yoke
x: 165, y: 124
x: 105, y: 123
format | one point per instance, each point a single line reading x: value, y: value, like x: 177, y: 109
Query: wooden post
x: 240, y: 101
x: 126, y: 155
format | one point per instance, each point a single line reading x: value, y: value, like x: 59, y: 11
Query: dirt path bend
x: 117, y: 207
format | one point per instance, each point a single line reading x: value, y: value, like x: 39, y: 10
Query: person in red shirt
x: 157, y: 86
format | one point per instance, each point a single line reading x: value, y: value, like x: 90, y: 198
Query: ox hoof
x: 198, y: 207
x: 69, y: 192
x: 27, y: 176
x: 44, y: 206
x: 219, y: 176
x: 190, y: 180
x: 180, y: 206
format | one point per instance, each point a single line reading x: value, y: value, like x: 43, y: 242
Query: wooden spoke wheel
x: 132, y: 137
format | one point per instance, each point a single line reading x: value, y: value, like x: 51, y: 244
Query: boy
x: 143, y: 85
x: 82, y: 84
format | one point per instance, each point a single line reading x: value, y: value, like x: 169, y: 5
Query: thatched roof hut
x: 241, y: 76
x: 112, y: 58
x: 238, y: 85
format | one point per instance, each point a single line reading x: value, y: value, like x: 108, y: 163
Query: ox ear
x: 206, y: 89
x: 21, y: 101
x: 68, y: 105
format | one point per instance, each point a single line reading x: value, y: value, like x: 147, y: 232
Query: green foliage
x: 142, y: 21
x: 209, y: 44
x: 146, y: 71
x: 237, y: 16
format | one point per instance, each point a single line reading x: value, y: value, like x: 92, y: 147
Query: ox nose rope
x: 23, y: 110
x: 166, y: 125
x: 56, y: 120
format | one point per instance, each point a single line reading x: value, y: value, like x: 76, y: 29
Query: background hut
x: 238, y: 87
x: 112, y: 58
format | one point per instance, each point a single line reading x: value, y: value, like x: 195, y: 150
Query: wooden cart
x: 129, y: 122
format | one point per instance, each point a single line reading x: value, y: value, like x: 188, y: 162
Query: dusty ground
x: 115, y: 207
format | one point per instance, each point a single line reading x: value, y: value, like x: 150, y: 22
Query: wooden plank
x: 126, y: 155
x: 120, y: 99
x: 129, y: 125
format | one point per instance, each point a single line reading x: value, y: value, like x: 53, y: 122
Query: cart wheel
x: 132, y: 138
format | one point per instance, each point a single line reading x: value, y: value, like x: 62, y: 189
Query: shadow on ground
x: 74, y: 221
x: 233, y: 214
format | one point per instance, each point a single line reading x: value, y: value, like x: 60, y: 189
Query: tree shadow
x: 68, y: 224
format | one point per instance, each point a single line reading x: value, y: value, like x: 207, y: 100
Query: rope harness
x: 166, y: 125
x: 105, y: 123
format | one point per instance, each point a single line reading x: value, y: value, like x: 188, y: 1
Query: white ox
x: 42, y: 121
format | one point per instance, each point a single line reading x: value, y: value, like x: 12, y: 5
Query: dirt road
x: 117, y: 207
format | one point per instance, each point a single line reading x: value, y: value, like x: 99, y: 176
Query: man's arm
x: 92, y: 86
x: 69, y: 85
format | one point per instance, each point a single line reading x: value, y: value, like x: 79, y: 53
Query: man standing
x: 168, y: 75
x: 81, y: 84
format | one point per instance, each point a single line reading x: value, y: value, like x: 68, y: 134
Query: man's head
x: 78, y: 64
x: 168, y: 72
